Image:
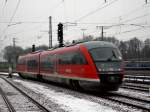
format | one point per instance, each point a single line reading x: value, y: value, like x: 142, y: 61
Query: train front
x: 109, y: 64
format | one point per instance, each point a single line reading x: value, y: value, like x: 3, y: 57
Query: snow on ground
x: 4, y: 73
x: 15, y: 74
x: 67, y: 102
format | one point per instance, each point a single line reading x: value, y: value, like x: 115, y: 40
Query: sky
x: 28, y: 20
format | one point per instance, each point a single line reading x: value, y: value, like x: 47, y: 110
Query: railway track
x: 10, y: 106
x: 141, y: 79
x: 124, y: 99
x: 135, y: 86
x: 129, y: 101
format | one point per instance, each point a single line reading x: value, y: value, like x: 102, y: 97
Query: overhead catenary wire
x: 57, y: 5
x: 129, y: 20
x: 29, y: 22
x: 24, y: 22
x: 21, y: 22
x: 3, y: 5
x: 115, y: 24
x: 128, y: 31
x: 132, y: 11
x: 94, y: 11
x: 17, y: 6
x: 122, y: 16
x: 135, y: 18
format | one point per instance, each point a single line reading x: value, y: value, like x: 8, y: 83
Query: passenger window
x: 32, y: 63
x: 72, y: 58
x: 78, y: 58
x: 47, y: 62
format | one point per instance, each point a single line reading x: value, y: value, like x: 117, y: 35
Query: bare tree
x: 11, y: 53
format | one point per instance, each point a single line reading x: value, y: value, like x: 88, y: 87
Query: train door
x: 55, y: 63
x: 39, y: 76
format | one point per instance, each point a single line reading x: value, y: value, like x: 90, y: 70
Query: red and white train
x: 92, y: 65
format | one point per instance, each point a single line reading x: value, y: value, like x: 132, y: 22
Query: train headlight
x: 119, y: 69
x: 100, y: 69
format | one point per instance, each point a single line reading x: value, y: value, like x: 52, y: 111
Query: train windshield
x: 106, y: 54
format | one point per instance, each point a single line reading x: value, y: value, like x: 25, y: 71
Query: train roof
x: 89, y: 45
x: 97, y: 44
x: 31, y: 54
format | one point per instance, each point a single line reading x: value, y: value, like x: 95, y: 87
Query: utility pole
x: 14, y: 42
x: 102, y: 32
x: 60, y: 35
x: 83, y: 32
x: 146, y: 1
x: 14, y: 46
x: 50, y: 32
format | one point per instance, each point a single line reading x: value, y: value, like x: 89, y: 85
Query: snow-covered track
x: 135, y: 86
x: 41, y: 107
x: 141, y: 79
x: 129, y: 101
x: 8, y: 104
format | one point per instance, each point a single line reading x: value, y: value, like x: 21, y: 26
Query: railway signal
x: 33, y: 48
x: 60, y: 34
x: 146, y: 1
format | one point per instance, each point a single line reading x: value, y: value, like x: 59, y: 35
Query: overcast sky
x: 29, y: 23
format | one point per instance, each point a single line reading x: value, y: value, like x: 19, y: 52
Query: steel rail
x: 8, y: 104
x: 139, y: 100
x: 134, y: 88
x: 111, y: 96
x: 44, y: 109
x: 139, y: 87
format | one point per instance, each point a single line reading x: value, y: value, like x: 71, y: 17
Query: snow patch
x: 67, y: 102
x: 4, y: 73
x: 134, y: 93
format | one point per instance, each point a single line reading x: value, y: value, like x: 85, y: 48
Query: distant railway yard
x: 23, y: 95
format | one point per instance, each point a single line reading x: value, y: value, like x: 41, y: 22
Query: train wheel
x: 21, y: 75
x: 39, y: 77
x: 71, y: 84
x: 75, y: 85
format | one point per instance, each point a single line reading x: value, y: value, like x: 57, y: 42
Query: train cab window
x: 64, y: 59
x: 32, y: 63
x: 105, y: 54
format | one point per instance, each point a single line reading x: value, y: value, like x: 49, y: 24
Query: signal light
x: 33, y: 48
x: 60, y: 31
x: 60, y: 34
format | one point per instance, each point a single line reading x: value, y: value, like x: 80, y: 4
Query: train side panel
x: 31, y: 66
x: 72, y: 63
x: 21, y: 64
